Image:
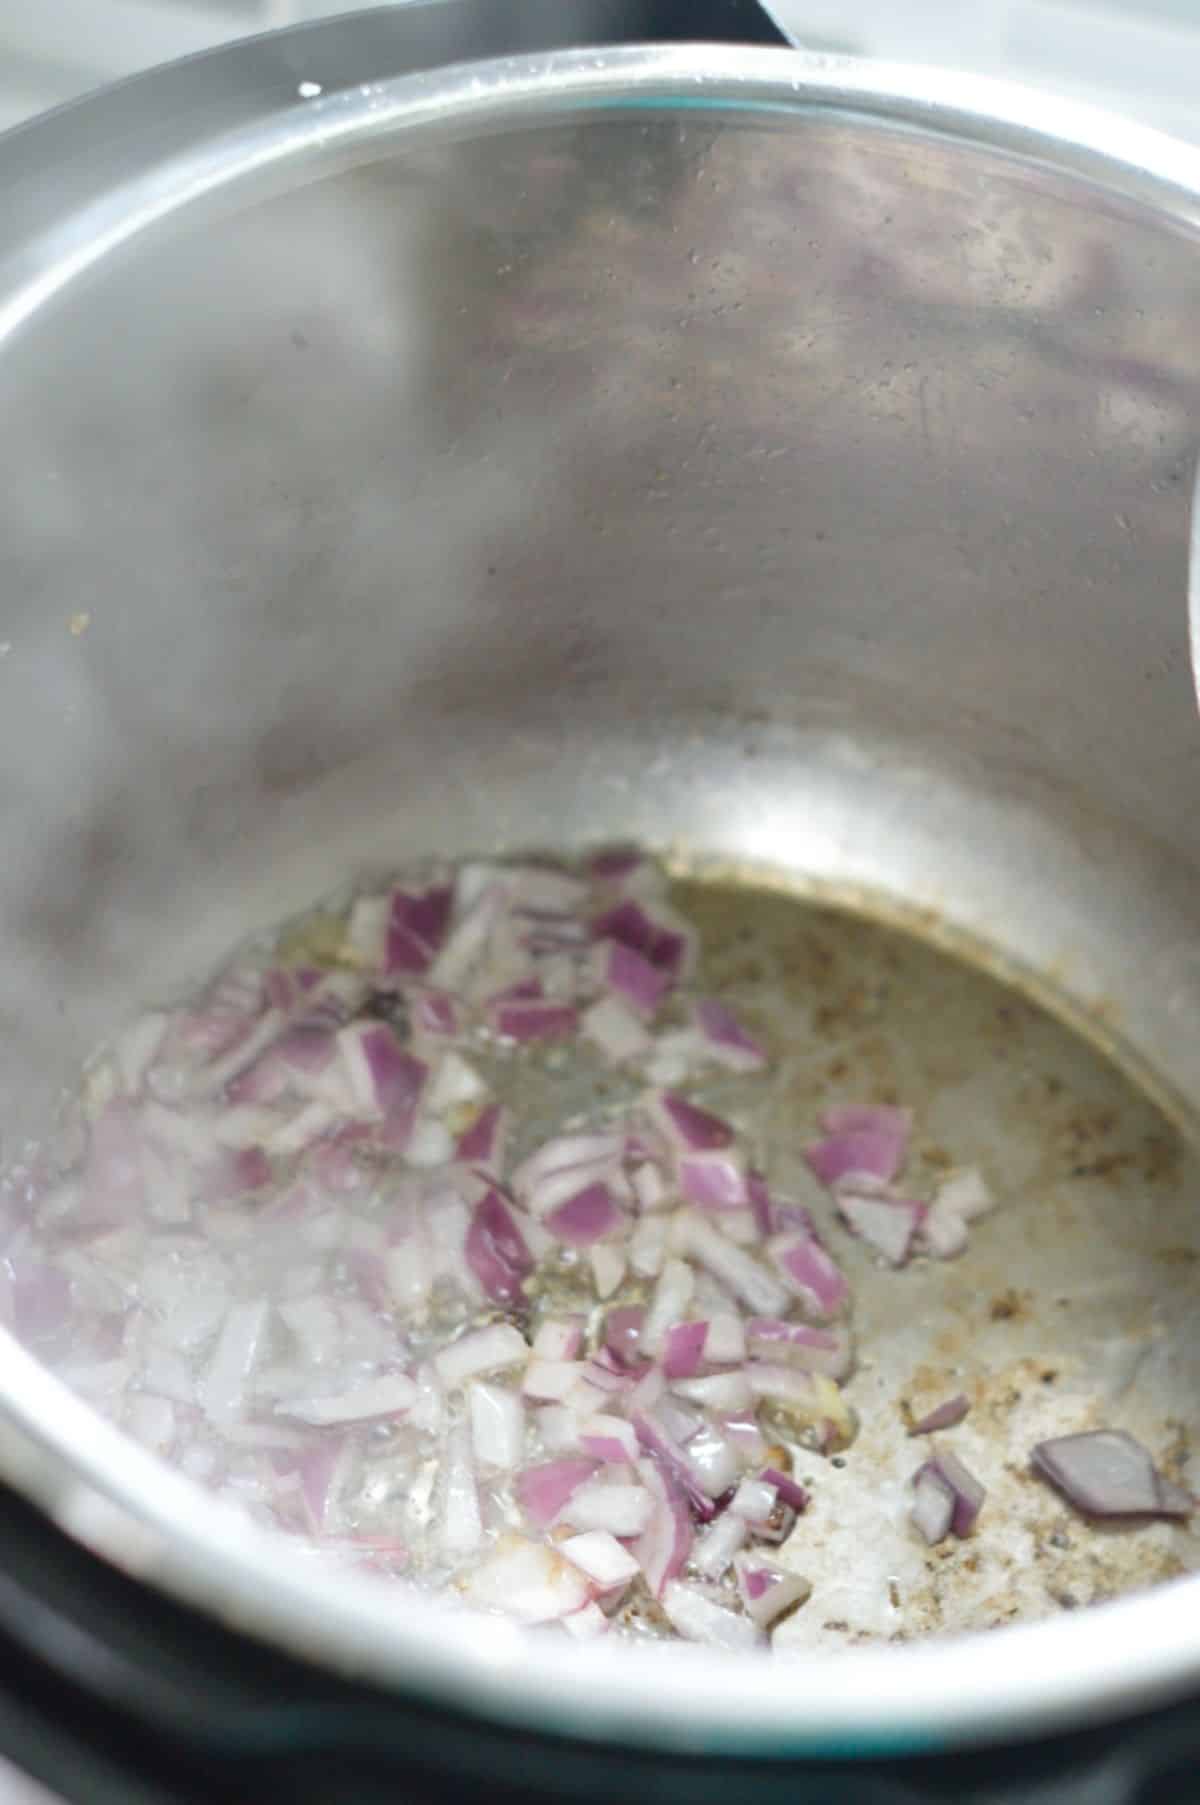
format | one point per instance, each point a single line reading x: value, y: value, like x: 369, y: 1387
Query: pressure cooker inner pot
x: 796, y: 494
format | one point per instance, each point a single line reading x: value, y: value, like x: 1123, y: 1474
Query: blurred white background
x: 1137, y: 55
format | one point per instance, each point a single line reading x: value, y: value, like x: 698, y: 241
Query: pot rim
x: 126, y: 1506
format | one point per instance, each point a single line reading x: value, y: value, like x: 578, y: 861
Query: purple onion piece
x: 496, y: 1250
x: 588, y: 1216
x: 943, y: 1416
x: 1108, y: 1473
x: 967, y: 1492
x: 933, y: 1506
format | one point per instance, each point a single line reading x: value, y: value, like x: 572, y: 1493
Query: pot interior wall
x: 786, y: 491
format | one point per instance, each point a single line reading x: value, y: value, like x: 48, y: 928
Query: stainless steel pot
x: 779, y: 459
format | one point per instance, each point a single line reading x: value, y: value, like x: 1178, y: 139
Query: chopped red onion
x: 767, y: 1591
x: 967, y: 1492
x: 623, y: 1334
x: 861, y: 1138
x: 487, y: 1350
x: 724, y: 1038
x: 630, y: 975
x: 943, y: 1416
x: 525, y: 1022
x: 683, y: 1349
x: 1108, y: 1473
x: 725, y: 1392
x: 497, y: 1425
x: 958, y: 1201
x: 754, y: 1500
x: 559, y: 1338
x: 528, y: 1581
x: 660, y: 935
x: 590, y: 1215
x: 790, y: 1490
x: 827, y: 1351
x: 222, y: 1389
x: 887, y: 1224
x: 543, y: 1490
x: 933, y: 1505
x: 482, y: 1144
x: 687, y: 1127
x: 609, y: 1266
x: 416, y: 929
x: 714, y: 1181
x: 662, y: 1549
x: 435, y: 1012
x: 593, y: 1155
x: 600, y: 1555
x: 668, y: 1305
x: 622, y: 1510
x: 700, y: 1618
x: 726, y: 1344
x: 740, y: 1271
x: 496, y: 1251
x: 713, y: 1552
x: 609, y: 1438
x: 394, y: 1395
x: 810, y: 1273
x: 672, y: 1461
x: 550, y: 1381
x: 615, y: 1031
x: 759, y: 1198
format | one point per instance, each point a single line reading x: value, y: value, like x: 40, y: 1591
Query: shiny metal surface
x: 782, y: 461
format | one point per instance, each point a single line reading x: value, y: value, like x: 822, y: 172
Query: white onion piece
x: 754, y: 1500
x: 466, y: 943
x: 367, y: 928
x: 549, y: 1381
x: 933, y: 1506
x: 586, y: 1625
x: 430, y: 1144
x: 223, y: 1387
x: 487, y: 1350
x: 615, y: 1030
x: 460, y: 1528
x: 427, y: 1411
x: 726, y: 1393
x: 305, y: 1127
x: 564, y: 1153
x: 393, y: 1395
x: 609, y: 1438
x: 726, y: 1343
x: 601, y: 1556
x: 608, y: 1268
x: 697, y: 1238
x: 713, y: 1552
x: 454, y: 1081
x: 528, y: 1581
x: 699, y: 1618
x: 623, y: 1510
x: 315, y: 1323
x: 559, y: 1338
x: 497, y: 1425
x: 713, y: 1460
x: 768, y: 1591
x: 669, y: 1304
x: 409, y: 1274
x: 648, y: 1246
x: 558, y: 1429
